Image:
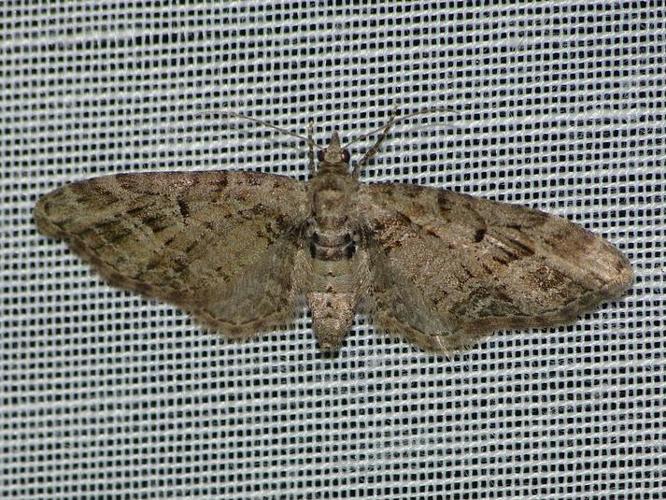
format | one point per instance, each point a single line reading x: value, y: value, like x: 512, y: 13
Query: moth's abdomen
x: 334, y: 292
x: 332, y: 316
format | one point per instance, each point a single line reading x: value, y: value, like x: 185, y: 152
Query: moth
x: 242, y: 251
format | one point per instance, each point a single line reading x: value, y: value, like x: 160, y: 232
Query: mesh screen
x: 107, y: 394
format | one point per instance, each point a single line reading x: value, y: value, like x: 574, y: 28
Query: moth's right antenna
x: 393, y: 119
x: 311, y: 145
x: 309, y: 141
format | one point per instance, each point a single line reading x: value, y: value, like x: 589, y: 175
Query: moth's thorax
x: 331, y: 198
x: 339, y: 168
x: 333, y: 228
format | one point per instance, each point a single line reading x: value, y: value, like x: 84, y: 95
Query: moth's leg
x: 370, y: 153
x: 311, y: 156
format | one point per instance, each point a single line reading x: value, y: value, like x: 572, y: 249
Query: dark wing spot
x: 529, y: 218
x: 254, y: 179
x: 411, y: 191
x: 620, y: 265
x: 222, y: 183
x: 113, y: 229
x: 479, y: 235
x: 137, y: 211
x: 184, y: 208
x: 155, y: 222
x: 487, y: 302
x: 142, y: 287
x: 150, y: 265
x: 523, y: 249
x: 350, y: 249
x: 549, y: 278
x: 403, y: 218
x: 500, y: 260
x: 180, y: 264
x: 93, y: 194
x: 191, y: 246
x: 129, y: 182
x: 443, y: 202
x: 509, y: 256
x: 487, y: 269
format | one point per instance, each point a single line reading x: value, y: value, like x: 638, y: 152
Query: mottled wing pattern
x: 450, y: 268
x: 221, y: 245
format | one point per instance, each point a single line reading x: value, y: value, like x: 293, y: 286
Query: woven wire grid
x: 560, y: 107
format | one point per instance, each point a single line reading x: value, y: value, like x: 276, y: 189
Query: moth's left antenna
x: 309, y: 141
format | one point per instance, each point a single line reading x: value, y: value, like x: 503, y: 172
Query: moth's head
x: 334, y: 153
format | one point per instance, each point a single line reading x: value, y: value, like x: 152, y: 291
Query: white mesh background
x: 106, y: 394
